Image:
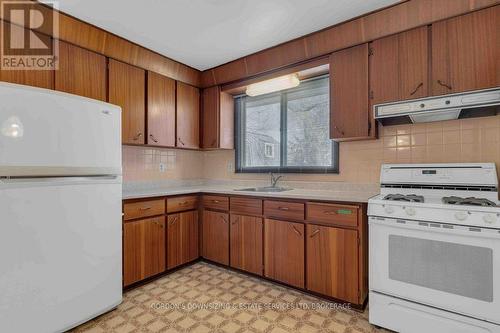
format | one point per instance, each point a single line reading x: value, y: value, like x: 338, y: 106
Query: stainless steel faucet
x: 274, y: 179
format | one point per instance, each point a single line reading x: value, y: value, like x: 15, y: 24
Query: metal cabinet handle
x: 338, y: 129
x: 158, y: 224
x: 182, y: 203
x: 315, y: 232
x: 223, y: 219
x: 296, y: 231
x: 153, y: 138
x: 215, y: 201
x: 441, y: 83
x: 236, y: 220
x: 284, y: 208
x: 421, y: 84
x: 174, y: 220
x: 182, y: 143
x: 144, y: 208
x: 135, y: 138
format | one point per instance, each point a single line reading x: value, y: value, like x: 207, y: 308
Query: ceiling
x: 207, y: 33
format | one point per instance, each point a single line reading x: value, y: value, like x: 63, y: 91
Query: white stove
x: 435, y: 248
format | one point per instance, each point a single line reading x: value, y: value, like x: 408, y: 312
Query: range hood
x: 479, y: 103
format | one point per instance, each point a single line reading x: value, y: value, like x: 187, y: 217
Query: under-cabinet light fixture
x: 273, y: 85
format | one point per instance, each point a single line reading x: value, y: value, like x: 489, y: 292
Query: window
x: 287, y: 131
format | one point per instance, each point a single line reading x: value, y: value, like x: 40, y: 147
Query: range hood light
x: 273, y: 85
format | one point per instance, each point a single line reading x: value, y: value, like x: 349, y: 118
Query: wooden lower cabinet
x: 182, y: 238
x: 284, y: 252
x: 246, y: 243
x: 332, y: 262
x: 143, y: 249
x: 215, y: 242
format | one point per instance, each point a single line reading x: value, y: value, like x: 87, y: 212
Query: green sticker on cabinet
x: 344, y: 211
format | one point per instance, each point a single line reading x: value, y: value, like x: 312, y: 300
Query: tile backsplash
x: 464, y: 140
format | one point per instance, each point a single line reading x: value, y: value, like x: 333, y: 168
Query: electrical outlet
x: 230, y: 167
x: 163, y: 167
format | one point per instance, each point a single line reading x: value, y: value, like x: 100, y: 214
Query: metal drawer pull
x: 183, y: 203
x: 144, y: 208
x: 158, y: 224
x: 338, y: 211
x: 236, y: 220
x: 223, y: 219
x: 135, y: 138
x: 315, y: 232
x: 296, y: 231
x: 283, y: 208
x: 215, y: 201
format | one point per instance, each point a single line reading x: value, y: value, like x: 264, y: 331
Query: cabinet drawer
x: 215, y: 202
x: 246, y: 206
x: 282, y: 209
x: 134, y: 210
x: 178, y: 204
x: 344, y: 215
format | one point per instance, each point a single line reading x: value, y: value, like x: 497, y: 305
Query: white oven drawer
x: 451, y: 268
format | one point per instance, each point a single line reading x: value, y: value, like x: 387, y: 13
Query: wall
x: 143, y: 164
x: 465, y: 140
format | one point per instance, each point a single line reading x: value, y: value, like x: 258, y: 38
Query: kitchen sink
x: 264, y: 189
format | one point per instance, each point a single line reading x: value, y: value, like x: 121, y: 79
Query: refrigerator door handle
x: 59, y: 179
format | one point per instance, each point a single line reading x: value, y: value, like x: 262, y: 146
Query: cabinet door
x: 188, y: 113
x: 332, y: 262
x: 210, y: 116
x: 216, y: 236
x: 218, y: 119
x: 246, y: 243
x: 35, y: 78
x: 182, y: 238
x: 161, y: 110
x: 127, y: 89
x: 284, y: 252
x: 143, y: 249
x: 466, y: 52
x: 349, y: 112
x: 81, y: 72
x: 399, y: 66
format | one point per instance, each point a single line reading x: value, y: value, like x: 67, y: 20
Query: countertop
x: 308, y: 194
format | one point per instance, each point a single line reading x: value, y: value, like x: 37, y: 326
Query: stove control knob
x: 389, y: 209
x: 461, y: 216
x: 410, y: 211
x: 489, y: 218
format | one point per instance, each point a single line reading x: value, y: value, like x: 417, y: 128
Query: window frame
x: 239, y: 140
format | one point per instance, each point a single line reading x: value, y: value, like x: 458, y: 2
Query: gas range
x: 434, y: 244
x: 465, y: 194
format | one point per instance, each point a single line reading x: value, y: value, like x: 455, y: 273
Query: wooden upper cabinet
x: 143, y: 249
x: 217, y: 119
x: 215, y: 241
x: 161, y: 110
x: 81, y: 72
x: 127, y: 89
x: 35, y: 78
x: 466, y: 52
x: 350, y: 118
x: 246, y: 243
x: 332, y: 262
x: 284, y: 252
x: 399, y: 66
x: 188, y: 116
x: 182, y: 242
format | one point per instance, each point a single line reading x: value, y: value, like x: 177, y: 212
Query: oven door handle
x: 433, y: 227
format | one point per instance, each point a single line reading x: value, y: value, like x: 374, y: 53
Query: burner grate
x: 471, y: 201
x: 407, y: 198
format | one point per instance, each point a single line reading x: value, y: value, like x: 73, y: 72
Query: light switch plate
x: 163, y: 167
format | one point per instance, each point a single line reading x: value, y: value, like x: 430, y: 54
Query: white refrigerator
x: 60, y: 209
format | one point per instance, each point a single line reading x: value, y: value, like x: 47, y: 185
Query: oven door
x: 454, y: 268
